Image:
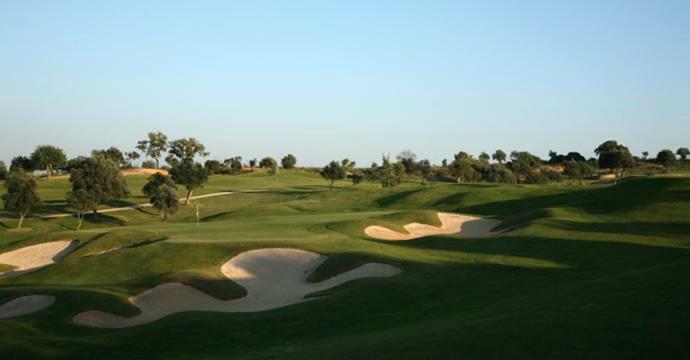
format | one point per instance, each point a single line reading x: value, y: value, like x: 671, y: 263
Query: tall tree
x: 113, y: 154
x: 155, y: 181
x: 233, y: 165
x: 645, y: 155
x: 666, y: 158
x: 499, y: 156
x: 100, y: 181
x: 212, y: 166
x: 267, y: 162
x: 288, y: 162
x: 189, y: 174
x: 332, y: 172
x: 252, y: 163
x: 3, y: 171
x: 154, y: 146
x: 409, y: 160
x: 48, y: 157
x: 21, y: 196
x: 131, y: 157
x: 484, y: 157
x: 614, y: 156
x: 186, y: 148
x: 683, y: 153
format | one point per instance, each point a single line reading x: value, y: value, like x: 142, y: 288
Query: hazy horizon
x: 352, y: 79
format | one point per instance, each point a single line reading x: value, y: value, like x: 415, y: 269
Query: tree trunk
x: 21, y: 220
x: 330, y: 186
x: 80, y: 220
x: 189, y: 195
x: 157, y: 165
x: 50, y: 171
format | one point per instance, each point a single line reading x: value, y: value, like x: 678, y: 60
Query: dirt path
x: 273, y: 278
x: 462, y: 225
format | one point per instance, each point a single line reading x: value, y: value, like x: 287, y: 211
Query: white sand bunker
x: 34, y: 257
x: 462, y: 225
x: 273, y: 278
x: 25, y: 305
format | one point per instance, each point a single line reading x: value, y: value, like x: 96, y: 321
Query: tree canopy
x: 189, y: 174
x: 48, y: 157
x: 614, y: 156
x: 22, y: 163
x: 499, y: 156
x: 332, y: 172
x: 666, y: 158
x: 21, y: 196
x: 186, y: 148
x: 154, y: 146
x: 100, y: 180
x: 162, y: 193
x: 683, y: 153
x: 288, y: 161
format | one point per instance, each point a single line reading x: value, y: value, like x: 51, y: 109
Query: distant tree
x: 113, y: 154
x: 75, y: 163
x: 425, y: 169
x: 409, y: 160
x: 48, y: 157
x: 155, y: 181
x: 332, y: 172
x: 499, y: 156
x: 252, y: 163
x: 233, y: 165
x: 347, y: 165
x: 288, y: 162
x: 154, y: 146
x: 500, y: 174
x: 484, y: 157
x: 267, y: 162
x: 166, y: 201
x: 81, y: 201
x: 577, y: 170
x: 21, y: 196
x: 666, y: 158
x: 683, y: 153
x: 522, y: 163
x: 149, y: 164
x: 186, y: 148
x: 272, y: 170
x: 131, y: 157
x: 645, y: 155
x: 212, y: 166
x: 357, y: 177
x: 189, y: 174
x: 444, y: 162
x: 22, y: 163
x: 3, y: 171
x: 390, y: 174
x: 462, y: 170
x: 100, y: 179
x: 614, y: 156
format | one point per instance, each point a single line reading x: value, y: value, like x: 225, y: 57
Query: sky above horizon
x: 333, y: 79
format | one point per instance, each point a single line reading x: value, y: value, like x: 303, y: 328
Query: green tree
x: 21, y: 163
x: 21, y: 196
x: 390, y: 174
x: 48, y: 157
x: 101, y: 181
x: 499, y: 156
x: 113, y: 154
x: 154, y: 146
x: 425, y: 169
x: 500, y: 174
x: 484, y: 157
x: 3, y: 171
x: 666, y: 158
x: 166, y: 201
x: 683, y: 153
x: 272, y: 170
x: 252, y: 163
x: 645, y: 155
x: 155, y: 181
x: 332, y: 172
x: 409, y: 160
x: 189, y: 174
x: 212, y: 166
x: 186, y: 148
x: 462, y: 170
x: 577, y: 170
x: 614, y: 157
x: 131, y: 156
x: 81, y: 202
x: 233, y: 165
x: 288, y: 162
x: 267, y: 162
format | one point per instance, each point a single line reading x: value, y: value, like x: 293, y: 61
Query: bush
x: 148, y: 164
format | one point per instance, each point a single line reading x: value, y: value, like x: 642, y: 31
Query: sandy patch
x: 273, y: 278
x: 462, y: 225
x: 25, y: 305
x: 34, y: 257
x: 143, y: 171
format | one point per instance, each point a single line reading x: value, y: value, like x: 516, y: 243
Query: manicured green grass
x: 595, y: 271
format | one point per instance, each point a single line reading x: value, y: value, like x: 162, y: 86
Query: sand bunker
x: 34, y: 257
x: 25, y: 305
x: 273, y: 278
x: 463, y: 225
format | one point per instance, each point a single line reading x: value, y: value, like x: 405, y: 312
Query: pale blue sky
x: 327, y: 79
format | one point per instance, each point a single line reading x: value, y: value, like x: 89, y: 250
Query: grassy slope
x: 590, y: 272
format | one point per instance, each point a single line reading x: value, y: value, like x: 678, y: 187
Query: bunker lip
x: 457, y: 224
x: 273, y: 278
x: 33, y: 257
x: 25, y: 305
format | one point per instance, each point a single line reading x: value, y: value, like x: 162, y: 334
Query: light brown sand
x: 462, y: 225
x: 34, y: 257
x: 273, y: 278
x: 25, y: 305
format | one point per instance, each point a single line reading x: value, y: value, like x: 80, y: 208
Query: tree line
x: 97, y: 179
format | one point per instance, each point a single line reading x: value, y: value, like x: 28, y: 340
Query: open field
x: 578, y: 271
